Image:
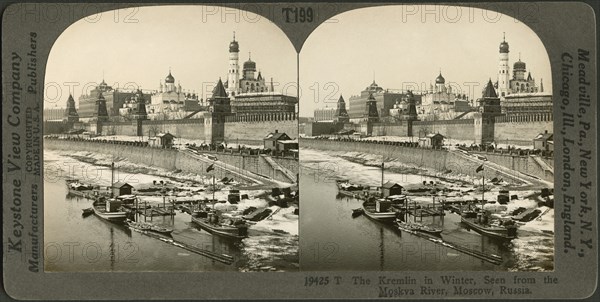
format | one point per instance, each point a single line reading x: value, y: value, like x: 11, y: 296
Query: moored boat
x: 502, y: 230
x: 109, y: 210
x: 379, y: 210
x: 213, y: 223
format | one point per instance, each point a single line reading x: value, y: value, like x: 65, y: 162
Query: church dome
x: 440, y: 79
x: 250, y: 65
x: 503, y: 47
x: 170, y: 78
x: 234, y: 46
x: 519, y: 65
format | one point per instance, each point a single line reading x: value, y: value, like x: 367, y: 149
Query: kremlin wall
x: 243, y: 132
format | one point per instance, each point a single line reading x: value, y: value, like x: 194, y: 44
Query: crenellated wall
x: 243, y: 132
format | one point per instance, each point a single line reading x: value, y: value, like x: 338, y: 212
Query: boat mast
x: 112, y: 178
x: 482, y: 187
x: 382, y: 164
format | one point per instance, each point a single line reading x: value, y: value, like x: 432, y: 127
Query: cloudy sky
x: 192, y: 40
x: 398, y: 49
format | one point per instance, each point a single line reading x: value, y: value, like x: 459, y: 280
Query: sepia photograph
x: 426, y: 142
x: 171, y: 143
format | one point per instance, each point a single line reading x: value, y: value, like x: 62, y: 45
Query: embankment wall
x: 172, y: 159
x: 440, y: 160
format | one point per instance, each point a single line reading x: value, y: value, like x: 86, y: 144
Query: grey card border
x: 562, y: 26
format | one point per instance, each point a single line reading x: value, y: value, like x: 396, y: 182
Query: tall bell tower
x: 233, y: 74
x: 503, y: 69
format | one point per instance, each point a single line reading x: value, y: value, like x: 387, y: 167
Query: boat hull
x: 110, y: 216
x: 369, y: 211
x: 224, y: 231
x: 495, y: 232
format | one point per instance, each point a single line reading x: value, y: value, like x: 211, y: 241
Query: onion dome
x: 234, y: 46
x: 250, y: 65
x: 519, y: 65
x: 440, y: 79
x: 170, y: 79
x: 504, y: 46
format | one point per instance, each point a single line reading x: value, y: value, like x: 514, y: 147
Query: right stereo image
x: 426, y: 143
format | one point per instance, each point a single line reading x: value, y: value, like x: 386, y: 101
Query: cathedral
x: 441, y: 101
x: 171, y: 98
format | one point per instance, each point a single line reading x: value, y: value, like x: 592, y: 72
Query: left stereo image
x: 171, y: 143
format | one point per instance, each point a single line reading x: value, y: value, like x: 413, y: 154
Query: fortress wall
x: 520, y: 133
x: 453, y: 129
x: 383, y: 129
x: 252, y: 133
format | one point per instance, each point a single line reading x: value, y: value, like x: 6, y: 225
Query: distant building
x: 526, y: 104
x: 250, y: 82
x: 115, y: 98
x: 385, y: 100
x: 286, y: 145
x: 432, y: 141
x: 519, y: 83
x: 165, y: 140
x: 324, y: 114
x: 121, y: 188
x: 252, y: 104
x: 54, y: 114
x: 544, y: 141
x: 440, y: 100
x: 271, y: 141
x: 390, y: 189
x: 171, y: 98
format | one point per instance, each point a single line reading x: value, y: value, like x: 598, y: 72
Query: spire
x: 503, y: 36
x: 249, y: 56
x: 489, y: 91
x: 219, y: 90
x: 234, y: 35
x: 541, y: 85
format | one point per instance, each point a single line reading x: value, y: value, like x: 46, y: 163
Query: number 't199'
x: 298, y: 14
